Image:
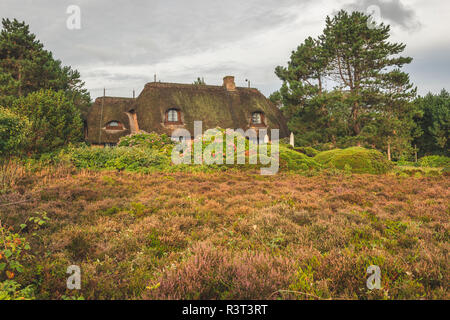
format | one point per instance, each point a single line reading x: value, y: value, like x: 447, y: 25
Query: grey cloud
x: 142, y: 32
x: 133, y: 32
x: 166, y: 34
x: 393, y: 11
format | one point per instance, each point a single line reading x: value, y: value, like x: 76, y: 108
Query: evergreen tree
x: 434, y: 123
x: 348, y: 88
x: 200, y: 81
x: 25, y: 67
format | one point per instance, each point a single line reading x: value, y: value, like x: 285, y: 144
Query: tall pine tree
x: 347, y: 86
x: 26, y: 67
x: 434, y: 123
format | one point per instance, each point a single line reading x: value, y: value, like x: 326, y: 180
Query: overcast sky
x: 123, y: 43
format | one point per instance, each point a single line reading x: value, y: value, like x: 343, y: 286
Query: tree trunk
x: 356, y: 128
x: 389, y: 150
x: 19, y: 76
x: 20, y: 82
x: 415, y: 153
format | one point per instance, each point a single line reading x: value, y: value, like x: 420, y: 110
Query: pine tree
x: 349, y: 83
x: 434, y: 123
x: 200, y: 81
x: 26, y: 67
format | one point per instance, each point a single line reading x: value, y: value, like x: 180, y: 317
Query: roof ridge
x: 174, y: 84
x: 112, y: 98
x: 178, y: 85
x: 190, y: 85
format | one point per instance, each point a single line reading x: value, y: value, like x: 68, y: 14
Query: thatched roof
x: 215, y: 106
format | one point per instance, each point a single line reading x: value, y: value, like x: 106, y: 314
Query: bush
x: 215, y: 156
x: 55, y: 121
x: 310, y: 152
x: 146, y: 140
x: 356, y: 159
x: 435, y: 161
x: 13, y: 250
x: 119, y: 158
x: 11, y: 290
x: 14, y: 130
x: 293, y: 160
x: 403, y: 163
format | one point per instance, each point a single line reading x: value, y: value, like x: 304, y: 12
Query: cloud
x: 393, y: 11
x: 122, y: 43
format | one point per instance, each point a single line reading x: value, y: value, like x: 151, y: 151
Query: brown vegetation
x: 233, y: 235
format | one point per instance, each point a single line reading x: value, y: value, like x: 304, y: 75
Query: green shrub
x: 230, y: 148
x: 293, y: 160
x: 309, y: 151
x: 146, y: 140
x: 11, y: 290
x: 55, y: 121
x: 402, y: 163
x: 358, y: 160
x: 119, y: 158
x: 324, y: 147
x: 434, y: 161
x: 13, y: 253
x: 14, y: 130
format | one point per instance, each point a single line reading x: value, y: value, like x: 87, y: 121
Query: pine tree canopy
x: 26, y: 67
x: 347, y: 87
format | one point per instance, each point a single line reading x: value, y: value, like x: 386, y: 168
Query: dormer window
x: 114, y: 125
x: 173, y: 116
x: 257, y: 118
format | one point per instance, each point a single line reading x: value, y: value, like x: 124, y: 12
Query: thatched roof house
x: 164, y: 107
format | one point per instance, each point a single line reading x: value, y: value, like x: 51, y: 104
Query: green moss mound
x: 294, y: 161
x: 435, y: 162
x: 357, y: 160
x: 309, y: 151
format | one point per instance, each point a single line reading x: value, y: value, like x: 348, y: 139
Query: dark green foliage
x: 346, y: 87
x: 146, y: 140
x: 310, y: 152
x: 120, y: 158
x: 26, y: 67
x: 435, y: 161
x: 14, y: 130
x: 357, y: 160
x: 295, y: 161
x: 406, y: 163
x: 434, y: 124
x: 55, y: 121
x: 200, y: 81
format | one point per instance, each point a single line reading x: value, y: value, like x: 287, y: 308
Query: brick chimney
x: 228, y: 83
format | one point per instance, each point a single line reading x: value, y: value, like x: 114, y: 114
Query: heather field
x: 230, y: 235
